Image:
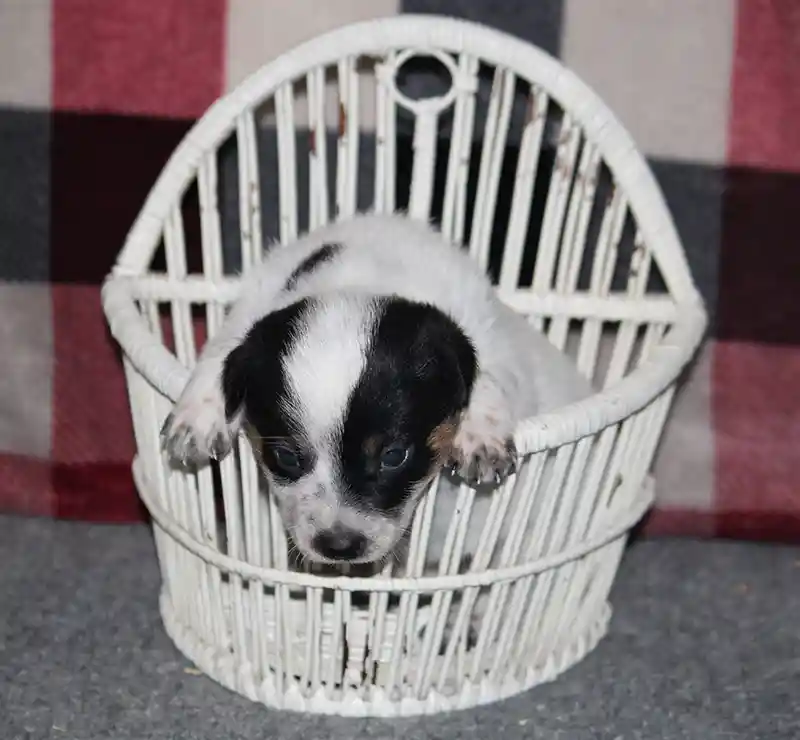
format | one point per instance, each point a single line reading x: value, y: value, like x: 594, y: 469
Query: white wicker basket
x: 610, y: 286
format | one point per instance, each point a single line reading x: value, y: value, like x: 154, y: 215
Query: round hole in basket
x: 424, y: 77
x: 396, y: 644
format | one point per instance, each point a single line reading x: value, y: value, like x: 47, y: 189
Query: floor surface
x: 704, y: 645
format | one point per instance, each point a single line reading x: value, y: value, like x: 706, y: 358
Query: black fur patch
x: 418, y: 373
x: 318, y: 257
x: 253, y: 381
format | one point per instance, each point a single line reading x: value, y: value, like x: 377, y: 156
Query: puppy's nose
x: 340, y: 544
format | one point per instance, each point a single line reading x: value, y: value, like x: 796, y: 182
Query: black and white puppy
x: 361, y: 360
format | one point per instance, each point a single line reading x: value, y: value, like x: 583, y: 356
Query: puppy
x: 361, y: 360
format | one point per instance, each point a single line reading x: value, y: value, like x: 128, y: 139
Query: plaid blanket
x: 94, y: 95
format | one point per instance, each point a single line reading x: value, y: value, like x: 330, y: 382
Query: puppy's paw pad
x: 487, y: 465
x: 196, y: 431
x: 470, y: 640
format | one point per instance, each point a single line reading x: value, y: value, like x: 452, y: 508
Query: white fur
x: 323, y: 372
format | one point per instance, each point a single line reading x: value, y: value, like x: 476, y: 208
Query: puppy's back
x: 394, y: 255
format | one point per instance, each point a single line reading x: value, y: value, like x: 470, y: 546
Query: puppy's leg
x: 483, y: 448
x: 468, y: 636
x: 199, y: 429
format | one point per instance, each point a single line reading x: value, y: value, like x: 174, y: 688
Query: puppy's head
x: 352, y: 403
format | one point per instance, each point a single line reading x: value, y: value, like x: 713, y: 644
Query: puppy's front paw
x: 197, y: 430
x: 481, y: 455
x: 468, y: 640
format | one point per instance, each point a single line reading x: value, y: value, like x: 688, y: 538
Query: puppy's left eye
x: 393, y: 458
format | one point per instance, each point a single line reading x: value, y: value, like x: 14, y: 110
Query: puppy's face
x: 352, y: 403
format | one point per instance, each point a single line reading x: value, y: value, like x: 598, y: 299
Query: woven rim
x: 422, y: 584
x: 616, y: 147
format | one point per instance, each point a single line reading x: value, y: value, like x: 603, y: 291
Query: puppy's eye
x: 288, y: 461
x: 393, y: 458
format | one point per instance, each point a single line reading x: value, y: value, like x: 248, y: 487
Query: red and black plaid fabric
x: 94, y: 95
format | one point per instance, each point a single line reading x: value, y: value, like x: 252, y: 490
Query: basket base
x: 262, y: 683
x: 241, y: 678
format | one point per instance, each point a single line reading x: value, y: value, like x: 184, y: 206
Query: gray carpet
x: 705, y: 645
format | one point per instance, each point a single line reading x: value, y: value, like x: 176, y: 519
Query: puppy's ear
x: 252, y: 373
x: 443, y: 348
x: 234, y: 380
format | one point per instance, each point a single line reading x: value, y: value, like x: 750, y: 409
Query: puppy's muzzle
x: 340, y: 543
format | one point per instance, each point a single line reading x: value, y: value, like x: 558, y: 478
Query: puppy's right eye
x: 288, y: 461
